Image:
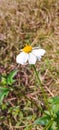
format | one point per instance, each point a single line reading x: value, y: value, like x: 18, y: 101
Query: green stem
x: 48, y: 125
x: 40, y: 84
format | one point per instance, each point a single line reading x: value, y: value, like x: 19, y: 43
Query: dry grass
x: 35, y: 22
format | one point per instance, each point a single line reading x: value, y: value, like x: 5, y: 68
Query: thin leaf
x: 10, y: 77
x: 3, y: 80
x: 3, y: 92
x: 4, y: 89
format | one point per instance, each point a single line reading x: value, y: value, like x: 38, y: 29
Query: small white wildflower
x: 29, y: 54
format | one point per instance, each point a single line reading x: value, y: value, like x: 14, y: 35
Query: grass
x: 36, y: 23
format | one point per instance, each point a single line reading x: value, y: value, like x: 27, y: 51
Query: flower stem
x: 40, y: 84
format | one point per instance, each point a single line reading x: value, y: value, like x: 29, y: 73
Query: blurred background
x: 34, y: 22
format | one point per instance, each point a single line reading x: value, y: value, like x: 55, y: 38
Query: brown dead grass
x: 35, y: 22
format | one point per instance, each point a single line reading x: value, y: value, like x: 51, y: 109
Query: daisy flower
x: 30, y: 55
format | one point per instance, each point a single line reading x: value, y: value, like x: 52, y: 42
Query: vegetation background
x: 35, y: 22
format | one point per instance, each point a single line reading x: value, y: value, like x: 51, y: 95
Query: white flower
x: 29, y: 54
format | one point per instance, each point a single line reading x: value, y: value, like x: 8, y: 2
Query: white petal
x: 32, y: 58
x: 38, y: 53
x: 22, y: 58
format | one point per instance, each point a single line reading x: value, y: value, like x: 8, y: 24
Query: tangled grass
x: 35, y: 22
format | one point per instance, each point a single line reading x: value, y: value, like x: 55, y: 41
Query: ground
x: 34, y: 22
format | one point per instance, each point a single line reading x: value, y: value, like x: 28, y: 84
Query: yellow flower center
x: 27, y: 49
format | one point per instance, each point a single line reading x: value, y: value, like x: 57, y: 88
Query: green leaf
x: 3, y: 92
x: 10, y: 77
x: 43, y: 120
x: 50, y: 128
x: 54, y: 126
x: 55, y: 108
x: 3, y: 80
x: 54, y: 100
x: 47, y: 113
x: 54, y: 104
x: 57, y: 119
x: 28, y: 128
